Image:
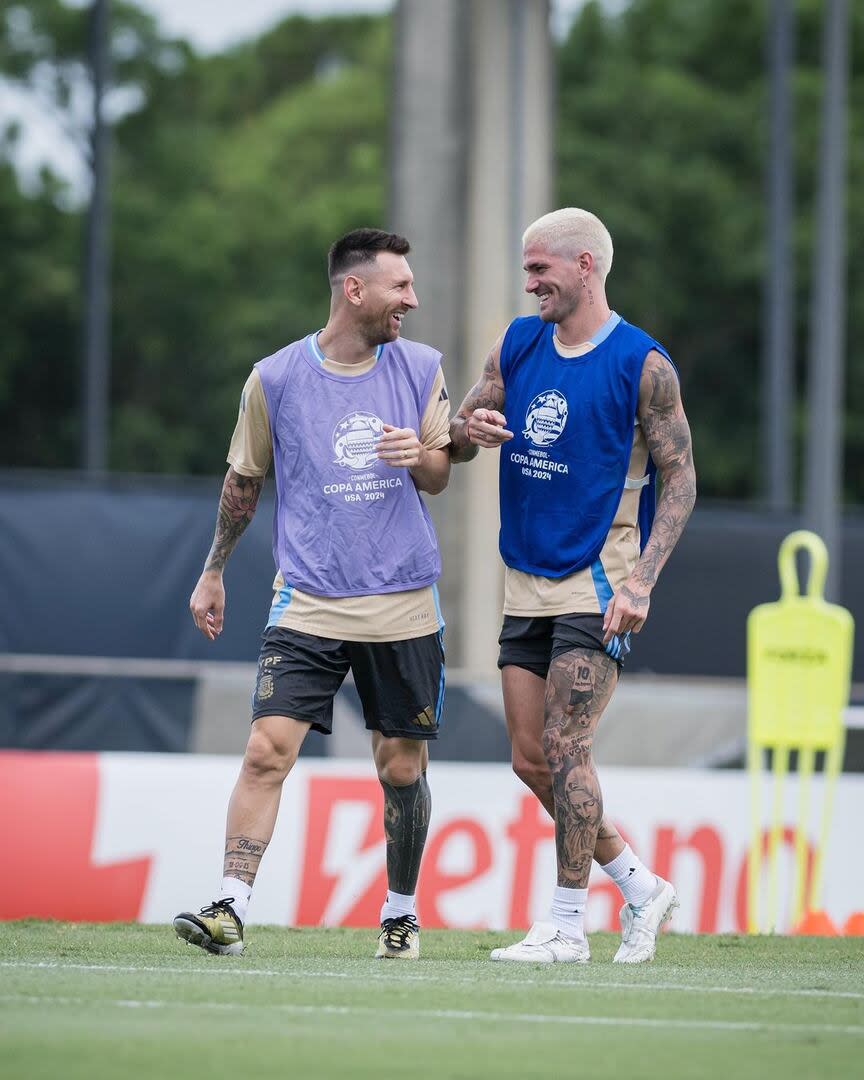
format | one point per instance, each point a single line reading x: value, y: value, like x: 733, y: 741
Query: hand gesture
x: 487, y: 427
x: 400, y: 447
x: 627, y: 610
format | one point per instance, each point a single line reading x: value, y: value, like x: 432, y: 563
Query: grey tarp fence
x: 105, y: 569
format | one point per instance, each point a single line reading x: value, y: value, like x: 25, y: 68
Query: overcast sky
x: 213, y: 24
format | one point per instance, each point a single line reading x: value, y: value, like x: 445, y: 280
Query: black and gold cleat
x: 399, y: 939
x: 215, y: 928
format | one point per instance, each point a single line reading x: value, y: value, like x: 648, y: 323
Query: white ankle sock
x: 568, y: 911
x: 397, y: 904
x: 241, y: 893
x: 634, y: 879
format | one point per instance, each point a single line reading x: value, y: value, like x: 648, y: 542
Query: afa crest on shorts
x: 355, y: 438
x: 545, y: 418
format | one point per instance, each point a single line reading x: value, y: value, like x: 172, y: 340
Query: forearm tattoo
x: 486, y: 393
x: 406, y: 822
x: 578, y: 689
x: 236, y: 509
x: 243, y: 857
x: 668, y: 436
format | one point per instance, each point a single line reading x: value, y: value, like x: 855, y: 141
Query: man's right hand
x: 207, y: 604
x: 488, y: 428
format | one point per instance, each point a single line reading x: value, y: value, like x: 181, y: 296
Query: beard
x: 564, y: 304
x: 380, y: 330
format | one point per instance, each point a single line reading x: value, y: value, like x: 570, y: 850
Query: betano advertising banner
x: 100, y: 837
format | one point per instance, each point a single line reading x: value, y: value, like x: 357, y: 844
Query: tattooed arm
x: 667, y: 433
x: 236, y: 509
x: 479, y: 421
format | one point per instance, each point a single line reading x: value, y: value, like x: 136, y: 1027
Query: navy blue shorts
x: 400, y: 683
x: 534, y: 642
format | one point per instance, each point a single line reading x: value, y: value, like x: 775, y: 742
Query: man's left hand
x: 627, y: 610
x: 400, y: 447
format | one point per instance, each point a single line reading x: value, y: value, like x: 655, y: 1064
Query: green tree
x: 232, y: 173
x: 39, y: 323
x: 224, y: 209
x: 230, y: 176
x: 43, y: 45
x: 662, y: 128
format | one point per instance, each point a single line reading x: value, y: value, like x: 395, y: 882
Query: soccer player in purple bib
x: 356, y: 423
x: 595, y: 411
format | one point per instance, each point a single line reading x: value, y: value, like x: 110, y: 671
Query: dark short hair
x: 361, y: 246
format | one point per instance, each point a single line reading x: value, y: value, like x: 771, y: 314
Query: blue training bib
x: 562, y: 474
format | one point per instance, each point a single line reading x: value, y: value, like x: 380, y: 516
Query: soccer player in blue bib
x: 595, y: 412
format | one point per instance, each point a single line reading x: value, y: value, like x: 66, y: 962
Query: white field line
x: 757, y: 991
x: 472, y: 1015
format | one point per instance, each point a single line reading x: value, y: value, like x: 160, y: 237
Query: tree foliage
x: 227, y: 186
x: 663, y: 130
x: 231, y: 173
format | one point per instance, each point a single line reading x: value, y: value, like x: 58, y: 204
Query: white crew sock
x: 397, y: 904
x: 232, y: 886
x: 634, y: 879
x: 568, y: 911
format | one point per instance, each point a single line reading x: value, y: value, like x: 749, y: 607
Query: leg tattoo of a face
x: 578, y: 689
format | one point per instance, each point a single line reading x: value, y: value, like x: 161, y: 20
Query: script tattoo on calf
x: 406, y: 823
x: 578, y: 688
x: 237, y: 507
x: 243, y: 857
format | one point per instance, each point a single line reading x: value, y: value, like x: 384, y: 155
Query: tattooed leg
x: 524, y: 695
x: 243, y: 857
x: 578, y: 689
x: 401, y: 766
x: 406, y: 822
x: 271, y: 751
x: 609, y: 843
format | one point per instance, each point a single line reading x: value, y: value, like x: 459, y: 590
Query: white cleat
x: 545, y: 944
x: 640, y: 926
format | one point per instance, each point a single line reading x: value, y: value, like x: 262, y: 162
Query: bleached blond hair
x: 571, y: 231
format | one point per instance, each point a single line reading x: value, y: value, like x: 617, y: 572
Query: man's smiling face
x: 388, y: 294
x: 554, y: 279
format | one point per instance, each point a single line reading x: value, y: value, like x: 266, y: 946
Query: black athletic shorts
x: 533, y: 643
x: 400, y: 683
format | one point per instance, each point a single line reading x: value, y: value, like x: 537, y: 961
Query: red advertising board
x: 139, y: 836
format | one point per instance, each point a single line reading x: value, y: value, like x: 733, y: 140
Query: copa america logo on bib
x: 355, y: 439
x: 545, y: 418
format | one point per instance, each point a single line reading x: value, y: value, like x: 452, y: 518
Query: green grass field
x: 132, y: 1001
